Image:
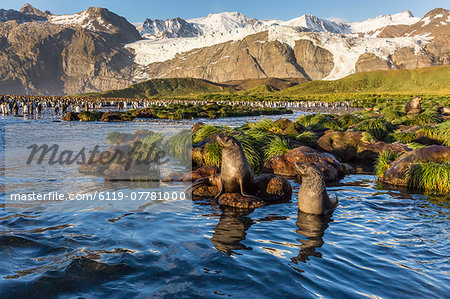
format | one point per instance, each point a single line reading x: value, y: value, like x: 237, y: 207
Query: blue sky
x: 138, y: 10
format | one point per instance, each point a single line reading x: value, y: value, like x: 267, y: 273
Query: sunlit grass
x: 403, y: 137
x: 378, y: 128
x: 213, y: 154
x: 277, y: 146
x: 204, y: 132
x: 307, y: 138
x: 383, y: 162
x: 314, y: 121
x: 180, y: 145
x: 430, y: 177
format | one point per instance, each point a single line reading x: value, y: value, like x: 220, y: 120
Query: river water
x: 377, y: 243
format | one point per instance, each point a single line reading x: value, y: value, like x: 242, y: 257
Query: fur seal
x: 236, y: 173
x: 312, y: 195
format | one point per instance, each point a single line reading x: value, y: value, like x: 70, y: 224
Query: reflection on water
x: 231, y: 230
x: 312, y: 229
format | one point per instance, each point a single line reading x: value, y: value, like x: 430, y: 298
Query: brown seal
x: 312, y: 195
x: 236, y: 173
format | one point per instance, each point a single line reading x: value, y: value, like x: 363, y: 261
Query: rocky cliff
x: 42, y: 58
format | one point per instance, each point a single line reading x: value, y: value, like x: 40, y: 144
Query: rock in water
x: 396, y: 174
x: 284, y: 164
x: 236, y: 200
x: 272, y: 188
x: 71, y: 116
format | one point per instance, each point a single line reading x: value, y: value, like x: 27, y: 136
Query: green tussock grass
x: 204, y: 132
x: 392, y: 115
x: 348, y: 120
x: 424, y: 118
x: 383, y: 162
x: 307, y: 138
x: 180, y: 145
x: 414, y: 145
x: 262, y: 125
x: 277, y: 146
x: 213, y: 154
x: 403, y: 137
x: 444, y: 132
x: 378, y: 128
x: 367, y: 137
x: 90, y: 115
x: 430, y: 177
x: 315, y: 121
x: 440, y: 132
x: 151, y: 147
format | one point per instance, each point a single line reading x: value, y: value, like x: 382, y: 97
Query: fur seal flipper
x: 312, y: 195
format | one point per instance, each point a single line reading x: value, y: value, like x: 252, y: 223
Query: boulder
x: 173, y: 177
x: 272, y: 188
x: 350, y: 146
x: 284, y: 164
x: 202, y: 172
x: 92, y: 169
x: 71, y: 116
x: 111, y: 116
x: 396, y: 174
x: 414, y: 106
x: 236, y: 200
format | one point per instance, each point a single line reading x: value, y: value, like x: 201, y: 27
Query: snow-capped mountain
x: 316, y: 24
x: 222, y: 23
x: 370, y: 25
x: 170, y: 28
x: 99, y: 19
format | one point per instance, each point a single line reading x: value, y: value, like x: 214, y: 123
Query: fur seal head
x: 226, y: 141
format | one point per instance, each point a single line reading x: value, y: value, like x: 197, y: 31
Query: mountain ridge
x: 96, y: 49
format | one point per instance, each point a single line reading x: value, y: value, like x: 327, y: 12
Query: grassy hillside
x: 433, y: 79
x: 425, y: 82
x: 271, y: 84
x: 157, y: 88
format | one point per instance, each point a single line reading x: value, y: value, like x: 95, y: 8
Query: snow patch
x: 426, y: 21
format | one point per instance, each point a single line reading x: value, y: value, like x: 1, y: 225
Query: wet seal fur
x: 312, y: 195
